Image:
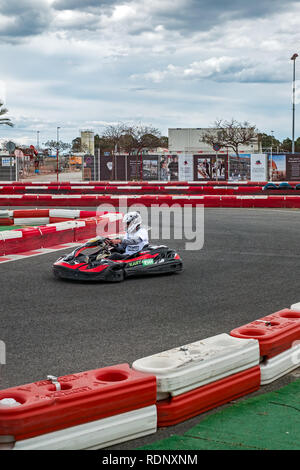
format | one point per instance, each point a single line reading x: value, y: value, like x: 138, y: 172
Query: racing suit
x: 131, y: 244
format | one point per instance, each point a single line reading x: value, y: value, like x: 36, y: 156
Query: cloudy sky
x: 82, y: 64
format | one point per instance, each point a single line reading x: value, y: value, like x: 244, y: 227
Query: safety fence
x: 147, y: 183
x: 99, y: 408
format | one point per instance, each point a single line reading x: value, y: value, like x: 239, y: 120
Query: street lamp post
x: 57, y: 144
x: 293, y: 58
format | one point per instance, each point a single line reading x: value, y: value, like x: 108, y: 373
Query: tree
x: 76, y: 145
x: 53, y: 144
x: 3, y: 111
x: 286, y: 145
x: 230, y: 134
x: 164, y: 142
x: 143, y: 137
x: 131, y: 139
x: 267, y: 142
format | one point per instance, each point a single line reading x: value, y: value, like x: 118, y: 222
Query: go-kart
x: 91, y: 262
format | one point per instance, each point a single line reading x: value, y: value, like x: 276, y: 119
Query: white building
x: 187, y: 140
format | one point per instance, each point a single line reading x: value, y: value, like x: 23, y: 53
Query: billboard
x: 185, y: 167
x: 208, y: 167
x: 259, y: 168
x: 277, y: 167
x: 168, y: 168
x: 150, y: 167
x: 239, y: 167
x: 293, y: 167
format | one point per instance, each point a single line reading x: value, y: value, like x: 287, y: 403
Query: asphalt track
x: 248, y: 268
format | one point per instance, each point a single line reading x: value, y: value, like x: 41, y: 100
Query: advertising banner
x: 185, y: 167
x: 293, y: 167
x: 277, y: 167
x: 259, y: 169
x: 239, y: 167
x: 150, y: 167
x: 208, y: 167
x: 134, y: 167
x: 168, y: 168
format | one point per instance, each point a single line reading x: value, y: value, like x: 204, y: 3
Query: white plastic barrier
x: 65, y: 213
x: 191, y: 366
x: 96, y: 434
x: 32, y: 221
x: 296, y: 307
x: 280, y: 365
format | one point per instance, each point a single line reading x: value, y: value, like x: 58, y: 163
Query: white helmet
x: 132, y: 220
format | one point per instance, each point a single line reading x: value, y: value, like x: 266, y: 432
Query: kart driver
x: 135, y: 239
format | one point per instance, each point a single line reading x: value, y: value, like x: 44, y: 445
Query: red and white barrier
x: 97, y: 434
x: 280, y: 365
x: 190, y: 404
x: 185, y: 368
x: 150, y: 200
x: 56, y: 404
x: 67, y: 231
x: 275, y: 333
x: 102, y: 407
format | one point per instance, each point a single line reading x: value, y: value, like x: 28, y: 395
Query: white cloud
x: 174, y: 63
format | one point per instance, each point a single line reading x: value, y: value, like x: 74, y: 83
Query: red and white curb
x: 45, y: 251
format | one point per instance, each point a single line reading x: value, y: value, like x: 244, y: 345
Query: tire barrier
x: 70, y: 229
x: 150, y: 200
x: 275, y: 333
x: 199, y: 400
x: 56, y: 404
x: 182, y: 369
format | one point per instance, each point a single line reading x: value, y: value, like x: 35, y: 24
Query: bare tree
x: 143, y: 137
x: 230, y: 134
x: 132, y: 139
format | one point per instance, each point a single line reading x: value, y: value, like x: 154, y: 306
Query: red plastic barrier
x: 185, y: 406
x: 87, y: 231
x: 52, y: 237
x: 2, y: 245
x: 275, y: 333
x: 30, y: 240
x: 85, y: 214
x: 85, y: 397
x: 6, y: 221
x: 292, y: 202
x: 27, y: 213
x: 94, y: 200
x: 57, y: 220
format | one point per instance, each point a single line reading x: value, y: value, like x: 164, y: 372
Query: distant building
x: 189, y: 140
x: 88, y: 142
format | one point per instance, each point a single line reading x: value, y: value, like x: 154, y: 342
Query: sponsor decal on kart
x: 146, y: 262
x: 135, y: 263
